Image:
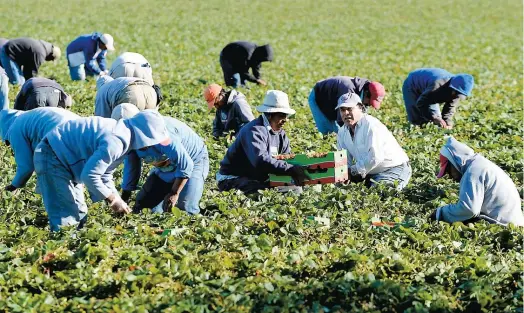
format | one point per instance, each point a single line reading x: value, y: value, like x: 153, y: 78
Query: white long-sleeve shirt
x: 373, y: 147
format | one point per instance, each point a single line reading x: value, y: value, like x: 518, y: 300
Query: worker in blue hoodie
x: 86, y: 55
x: 114, y: 91
x: 86, y: 151
x: 251, y: 158
x: 486, y: 191
x: 179, y: 172
x: 425, y: 88
x: 23, y: 131
x: 237, y: 58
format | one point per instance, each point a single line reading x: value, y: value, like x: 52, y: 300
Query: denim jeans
x: 79, y: 72
x: 324, y: 125
x: 410, y: 102
x: 12, y: 69
x: 155, y: 189
x: 4, y: 92
x: 63, y: 199
x: 400, y: 174
x: 231, y: 78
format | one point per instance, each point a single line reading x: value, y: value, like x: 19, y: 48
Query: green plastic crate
x: 332, y: 159
x: 318, y: 176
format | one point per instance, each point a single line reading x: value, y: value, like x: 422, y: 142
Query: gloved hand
x: 299, y: 174
x: 126, y: 195
x: 119, y: 206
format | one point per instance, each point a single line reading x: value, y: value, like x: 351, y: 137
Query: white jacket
x: 130, y: 64
x: 373, y: 147
x: 486, y: 191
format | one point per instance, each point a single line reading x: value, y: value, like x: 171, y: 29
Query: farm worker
x: 232, y: 109
x: 22, y: 57
x: 23, y: 131
x: 86, y: 151
x: 486, y: 191
x: 180, y: 168
x: 86, y: 55
x: 41, y: 92
x: 250, y: 159
x: 4, y: 90
x: 238, y: 57
x: 325, y: 94
x: 425, y: 88
x: 130, y: 64
x: 378, y: 156
x: 112, y: 92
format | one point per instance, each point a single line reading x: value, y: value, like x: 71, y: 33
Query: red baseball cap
x: 377, y: 93
x: 443, y: 164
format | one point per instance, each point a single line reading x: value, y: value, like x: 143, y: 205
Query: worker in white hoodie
x: 486, y: 191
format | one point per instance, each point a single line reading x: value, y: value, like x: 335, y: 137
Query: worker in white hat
x: 86, y: 55
x: 250, y: 159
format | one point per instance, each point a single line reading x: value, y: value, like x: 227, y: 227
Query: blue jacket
x: 233, y: 115
x: 486, y: 191
x: 251, y: 154
x: 88, y: 44
x: 175, y: 160
x: 24, y: 130
x: 93, y: 147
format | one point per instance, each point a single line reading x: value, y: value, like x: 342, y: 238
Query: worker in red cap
x: 324, y: 96
x: 486, y: 191
x: 232, y: 110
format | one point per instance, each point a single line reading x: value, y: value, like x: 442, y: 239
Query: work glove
x: 119, y: 206
x: 299, y: 174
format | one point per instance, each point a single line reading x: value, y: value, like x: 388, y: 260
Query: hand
x: 299, y: 175
x: 261, y: 82
x: 10, y: 188
x: 118, y: 205
x: 440, y: 122
x: 126, y: 195
x: 170, y: 200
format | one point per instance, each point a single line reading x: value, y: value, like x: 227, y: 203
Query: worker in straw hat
x: 250, y: 159
x: 486, y: 191
x: 22, y: 58
x: 86, y: 55
x: 232, y: 109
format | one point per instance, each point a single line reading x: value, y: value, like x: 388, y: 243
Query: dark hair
x: 159, y: 96
x: 362, y: 107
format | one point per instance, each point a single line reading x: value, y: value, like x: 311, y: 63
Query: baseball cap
x: 211, y: 93
x: 443, y: 164
x: 348, y: 100
x: 377, y: 93
x: 108, y: 41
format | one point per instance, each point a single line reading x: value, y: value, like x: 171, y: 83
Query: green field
x: 246, y: 255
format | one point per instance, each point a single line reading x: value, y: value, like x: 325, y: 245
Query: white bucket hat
x: 124, y: 111
x: 275, y: 101
x: 348, y: 100
x: 108, y: 41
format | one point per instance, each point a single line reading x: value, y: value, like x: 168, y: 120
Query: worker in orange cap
x: 232, y: 112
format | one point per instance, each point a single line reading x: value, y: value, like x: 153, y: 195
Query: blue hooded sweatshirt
x: 24, y: 130
x: 175, y: 160
x: 88, y: 44
x: 93, y: 147
x: 486, y: 191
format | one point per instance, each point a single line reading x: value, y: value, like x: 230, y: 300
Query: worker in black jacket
x: 238, y: 57
x: 22, y: 57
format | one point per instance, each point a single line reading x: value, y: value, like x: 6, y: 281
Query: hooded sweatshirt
x: 88, y: 44
x: 485, y: 189
x: 233, y: 115
x: 243, y: 55
x: 24, y: 130
x: 175, y: 160
x: 28, y: 53
x: 130, y: 64
x: 328, y: 91
x: 434, y: 85
x: 93, y: 147
x: 27, y: 98
x: 111, y: 92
